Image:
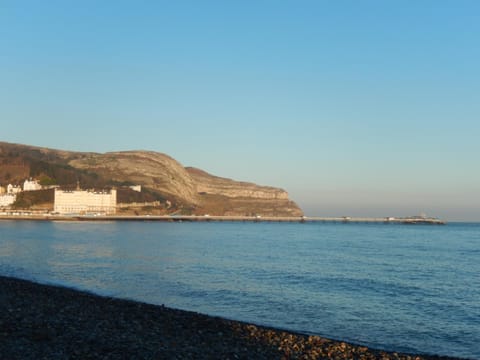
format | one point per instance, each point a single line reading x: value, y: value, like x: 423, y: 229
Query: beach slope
x: 51, y: 322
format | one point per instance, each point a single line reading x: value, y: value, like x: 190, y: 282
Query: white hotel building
x: 83, y: 202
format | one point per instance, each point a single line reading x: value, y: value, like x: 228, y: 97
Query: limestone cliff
x: 221, y: 196
x: 210, y: 184
x: 154, y: 170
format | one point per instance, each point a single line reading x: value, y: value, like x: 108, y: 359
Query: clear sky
x: 358, y: 108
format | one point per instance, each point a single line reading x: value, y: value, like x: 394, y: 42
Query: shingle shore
x: 50, y: 322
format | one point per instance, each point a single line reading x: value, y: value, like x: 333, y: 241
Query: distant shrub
x: 27, y: 199
x: 47, y: 181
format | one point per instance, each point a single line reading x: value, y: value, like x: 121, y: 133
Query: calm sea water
x: 396, y: 287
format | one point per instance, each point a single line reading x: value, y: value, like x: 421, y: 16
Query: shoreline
x: 55, y: 322
x: 215, y: 218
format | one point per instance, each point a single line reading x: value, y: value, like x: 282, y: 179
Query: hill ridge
x: 186, y: 190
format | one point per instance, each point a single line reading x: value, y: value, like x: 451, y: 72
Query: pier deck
x: 206, y: 218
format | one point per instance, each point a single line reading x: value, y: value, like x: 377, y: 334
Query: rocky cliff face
x: 221, y: 196
x: 188, y: 189
x: 210, y: 184
x: 154, y: 170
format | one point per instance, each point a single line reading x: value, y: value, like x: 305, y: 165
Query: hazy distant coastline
x: 210, y: 218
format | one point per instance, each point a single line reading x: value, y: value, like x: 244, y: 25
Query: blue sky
x: 360, y: 108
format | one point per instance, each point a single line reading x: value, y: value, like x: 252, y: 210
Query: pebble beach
x: 51, y: 322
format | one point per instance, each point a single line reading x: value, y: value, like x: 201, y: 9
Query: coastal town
x: 8, y: 194
x: 77, y: 201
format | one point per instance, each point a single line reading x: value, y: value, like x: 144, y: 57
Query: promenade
x: 209, y: 218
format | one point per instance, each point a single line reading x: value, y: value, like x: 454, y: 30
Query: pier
x: 18, y: 215
x: 387, y: 220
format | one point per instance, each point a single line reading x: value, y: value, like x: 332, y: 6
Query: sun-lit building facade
x: 7, y: 199
x: 85, y: 202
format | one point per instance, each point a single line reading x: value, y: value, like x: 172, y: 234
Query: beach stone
x: 48, y: 322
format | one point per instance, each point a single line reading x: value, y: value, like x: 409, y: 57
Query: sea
x: 404, y: 288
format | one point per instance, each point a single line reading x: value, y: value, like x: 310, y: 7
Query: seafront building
x: 31, y: 185
x: 13, y: 189
x: 7, y: 196
x: 85, y: 202
x: 7, y: 199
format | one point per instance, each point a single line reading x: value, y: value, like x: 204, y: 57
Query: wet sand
x: 51, y: 322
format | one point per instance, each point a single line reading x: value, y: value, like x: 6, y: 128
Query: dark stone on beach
x: 48, y: 322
